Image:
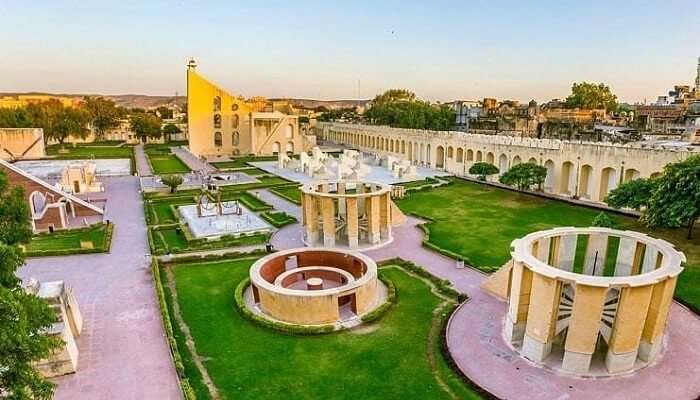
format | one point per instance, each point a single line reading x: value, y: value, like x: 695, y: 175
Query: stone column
x: 595, y: 254
x: 385, y: 216
x: 352, y: 224
x: 541, y: 317
x: 639, y: 250
x: 659, y: 306
x: 567, y: 252
x: 540, y: 250
x: 373, y: 219
x: 554, y: 251
x: 328, y: 214
x: 341, y: 200
x: 584, y: 325
x: 627, y: 331
x: 519, y: 301
x: 311, y: 217
x: 625, y: 257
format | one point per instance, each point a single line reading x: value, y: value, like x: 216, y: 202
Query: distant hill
x: 147, y: 101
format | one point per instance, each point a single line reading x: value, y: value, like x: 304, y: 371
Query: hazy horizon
x: 319, y: 50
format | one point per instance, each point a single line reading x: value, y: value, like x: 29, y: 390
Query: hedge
x: 379, y: 312
x: 444, y: 286
x: 66, y: 252
x: 278, y: 219
x: 284, y: 196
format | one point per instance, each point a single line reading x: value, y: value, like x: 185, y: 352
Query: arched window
x: 289, y: 132
x: 217, y: 121
x: 217, y: 103
x: 235, y: 139
x: 234, y: 107
x: 234, y: 121
x: 218, y: 141
x: 290, y: 147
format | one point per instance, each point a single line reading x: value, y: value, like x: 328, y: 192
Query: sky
x: 442, y: 50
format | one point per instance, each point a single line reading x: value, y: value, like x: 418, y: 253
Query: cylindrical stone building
x: 578, y: 292
x: 348, y: 214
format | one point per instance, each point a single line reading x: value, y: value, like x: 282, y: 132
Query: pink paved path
x: 474, y: 337
x: 123, y: 351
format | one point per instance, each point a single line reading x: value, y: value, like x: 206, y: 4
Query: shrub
x: 482, y: 169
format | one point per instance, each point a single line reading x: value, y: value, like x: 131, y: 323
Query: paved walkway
x: 143, y: 167
x: 194, y: 163
x: 474, y: 337
x: 123, y: 351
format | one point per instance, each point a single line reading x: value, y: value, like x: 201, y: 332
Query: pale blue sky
x: 440, y: 49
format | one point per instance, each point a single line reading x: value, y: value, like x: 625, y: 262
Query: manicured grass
x: 92, y: 150
x: 240, y: 162
x: 389, y: 359
x: 173, y: 240
x: 478, y: 222
x: 291, y: 193
x: 68, y: 241
x: 278, y: 219
x: 160, y: 211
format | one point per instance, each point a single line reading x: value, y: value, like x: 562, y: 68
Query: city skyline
x: 443, y: 51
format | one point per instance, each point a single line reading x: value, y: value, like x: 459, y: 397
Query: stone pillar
x: 352, y: 222
x: 328, y: 214
x: 540, y: 250
x: 639, y: 250
x: 659, y: 306
x: 541, y: 317
x: 627, y: 331
x: 341, y: 200
x: 567, y: 252
x: 360, y: 189
x: 311, y: 217
x: 583, y: 330
x: 518, y: 304
x: 649, y: 261
x: 373, y: 219
x: 595, y: 254
x: 553, y: 253
x: 625, y: 257
x: 385, y: 216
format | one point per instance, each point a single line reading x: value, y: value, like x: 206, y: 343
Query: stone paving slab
x: 123, y: 350
x: 143, y: 167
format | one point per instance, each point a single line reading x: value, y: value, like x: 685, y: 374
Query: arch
x: 585, y: 185
x: 516, y: 160
x: 551, y: 176
x: 502, y: 164
x: 289, y: 131
x: 450, y: 152
x: 217, y: 121
x: 479, y: 156
x: 470, y: 155
x: 234, y: 121
x: 290, y: 147
x: 460, y: 155
x: 276, y: 147
x: 490, y: 158
x: 38, y: 202
x: 439, y: 157
x: 218, y: 139
x: 608, y: 182
x: 217, y: 103
x: 631, y: 174
x: 235, y: 138
x: 655, y: 175
x: 567, y: 178
x: 532, y: 160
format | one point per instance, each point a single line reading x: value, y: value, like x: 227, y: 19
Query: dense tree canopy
x: 57, y: 120
x: 23, y: 317
x: 104, y: 114
x: 591, y: 96
x: 634, y: 194
x: 524, y: 176
x: 483, y: 169
x: 400, y: 108
x: 170, y: 129
x: 146, y: 125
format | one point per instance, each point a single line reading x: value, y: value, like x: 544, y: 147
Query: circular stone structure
x: 348, y: 214
x: 315, y: 286
x: 583, y: 294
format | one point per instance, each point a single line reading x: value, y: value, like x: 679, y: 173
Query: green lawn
x: 278, y: 218
x: 389, y: 360
x: 68, y: 241
x: 163, y: 162
x: 478, y: 222
x: 173, y: 240
x: 91, y: 150
x: 291, y: 193
x: 240, y: 162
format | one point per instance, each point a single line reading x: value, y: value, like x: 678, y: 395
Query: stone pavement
x: 474, y: 337
x: 123, y: 350
x: 194, y: 163
x: 143, y: 167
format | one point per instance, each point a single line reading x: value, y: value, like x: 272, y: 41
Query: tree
x: 634, y: 194
x: 394, y: 96
x: 172, y: 181
x: 58, y: 121
x: 72, y: 122
x: 103, y: 114
x: 591, y: 96
x: 483, y: 169
x: 675, y: 201
x: 23, y: 317
x: 524, y: 176
x: 169, y: 130
x: 146, y: 126
x: 602, y: 220
x: 164, y: 112
x: 401, y: 109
